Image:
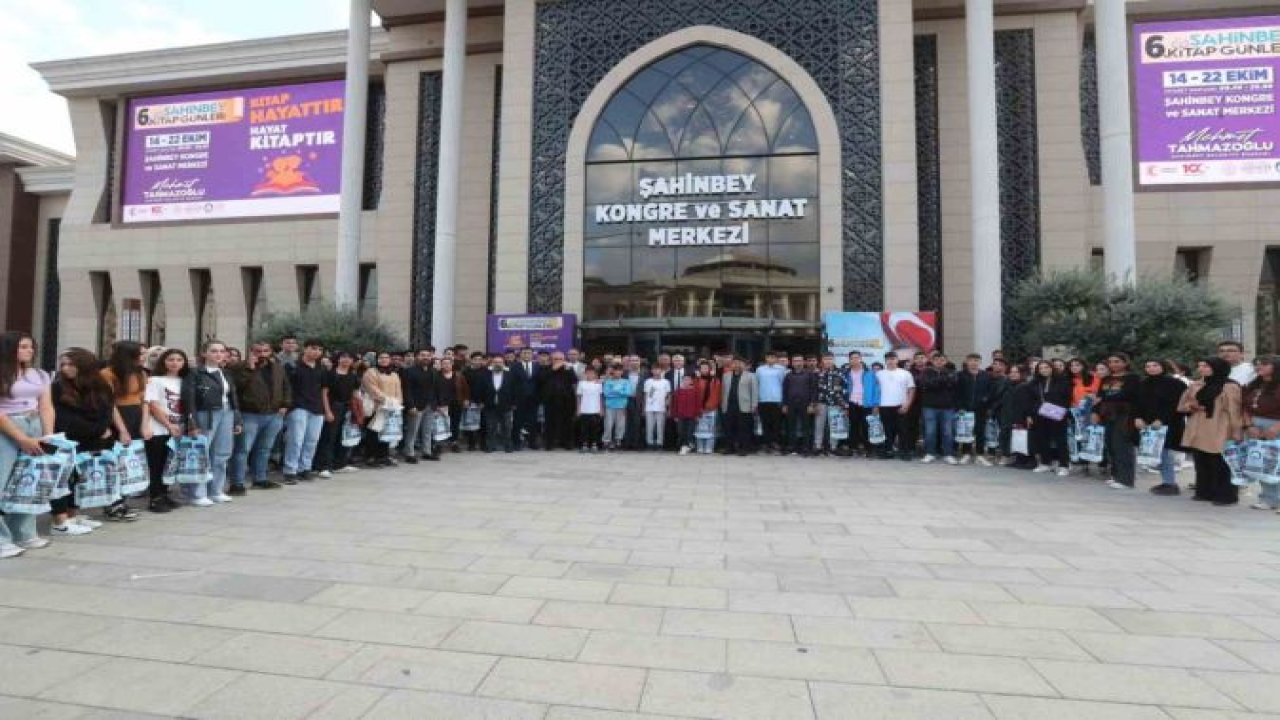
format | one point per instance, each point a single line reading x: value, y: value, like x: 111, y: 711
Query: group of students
x: 320, y: 413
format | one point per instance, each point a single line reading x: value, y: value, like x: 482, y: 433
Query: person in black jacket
x: 1114, y: 410
x: 973, y: 394
x: 527, y: 375
x: 209, y: 399
x: 496, y: 393
x: 938, y: 394
x: 1015, y: 412
x: 474, y: 373
x: 559, y: 399
x: 1156, y: 406
x: 799, y: 399
x: 421, y: 384
x: 84, y: 410
x: 1050, y: 420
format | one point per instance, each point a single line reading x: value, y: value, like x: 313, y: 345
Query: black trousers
x: 634, y: 437
x: 858, y: 439
x: 738, y: 428
x: 1049, y: 441
x: 559, y: 433
x: 909, y: 429
x: 526, y: 423
x: 771, y: 424
x: 1213, y: 478
x: 799, y: 428
x: 331, y: 454
x: 497, y: 429
x: 891, y: 418
x: 590, y: 428
x: 157, y: 456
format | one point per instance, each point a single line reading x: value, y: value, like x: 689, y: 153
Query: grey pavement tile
x: 729, y: 625
x: 913, y: 609
x: 184, y: 686
x: 1264, y: 656
x: 452, y: 581
x: 561, y: 712
x: 28, y: 671
x: 977, y: 673
x: 725, y: 579
x: 1184, y: 624
x: 600, y: 686
x: 1051, y: 617
x: 41, y: 628
x: 1010, y: 707
x: 1072, y: 596
x: 530, y: 641
x: 370, y: 597
x: 950, y: 590
x: 804, y: 662
x: 16, y: 707
x: 405, y: 704
x: 725, y: 697
x: 670, y: 596
x: 269, y: 617
x: 481, y: 607
x: 838, y: 584
x: 789, y: 603
x: 415, y: 668
x: 170, y: 642
x: 1199, y: 602
x: 600, y: 616
x: 1183, y: 652
x: 1132, y: 684
x: 557, y: 589
x: 616, y: 573
x: 1255, y: 691
x: 387, y: 628
x: 272, y: 697
x: 1197, y: 714
x: 845, y: 702
x: 278, y: 654
x: 863, y: 633
x: 660, y: 651
x: 1007, y: 641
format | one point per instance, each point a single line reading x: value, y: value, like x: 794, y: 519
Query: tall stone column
x: 984, y: 175
x: 450, y: 175
x: 346, y: 286
x: 1118, y: 230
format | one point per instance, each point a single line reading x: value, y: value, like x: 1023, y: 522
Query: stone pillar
x: 984, y: 175
x: 346, y: 287
x: 1118, y: 229
x: 450, y: 175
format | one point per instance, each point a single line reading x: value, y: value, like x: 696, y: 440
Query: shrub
x: 337, y: 329
x: 1158, y: 317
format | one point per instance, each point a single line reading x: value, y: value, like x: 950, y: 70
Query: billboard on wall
x: 258, y: 152
x: 1205, y: 104
x: 537, y: 332
x: 876, y: 334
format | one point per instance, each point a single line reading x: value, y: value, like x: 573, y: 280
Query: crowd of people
x: 312, y: 411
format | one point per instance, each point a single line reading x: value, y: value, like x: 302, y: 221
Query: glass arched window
x: 703, y: 111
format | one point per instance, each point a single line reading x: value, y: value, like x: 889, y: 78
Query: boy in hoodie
x: 685, y: 409
x: 938, y: 394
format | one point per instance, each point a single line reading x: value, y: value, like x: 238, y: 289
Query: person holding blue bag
x: 26, y: 416
x: 1114, y: 411
x: 213, y: 410
x: 85, y: 411
x: 164, y: 398
x: 1157, y: 407
x: 1215, y: 416
x: 1262, y: 417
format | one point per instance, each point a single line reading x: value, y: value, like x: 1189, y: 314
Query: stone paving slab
x: 553, y: 586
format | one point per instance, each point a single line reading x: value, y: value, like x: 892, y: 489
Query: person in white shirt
x: 897, y: 392
x: 590, y: 392
x: 1242, y: 371
x: 657, y: 398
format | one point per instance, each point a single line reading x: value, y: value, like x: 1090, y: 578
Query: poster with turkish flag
x: 877, y: 334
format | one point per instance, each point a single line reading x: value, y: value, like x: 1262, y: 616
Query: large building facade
x: 677, y: 173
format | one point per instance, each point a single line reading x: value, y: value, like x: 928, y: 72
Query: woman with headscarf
x: 1157, y: 406
x: 1215, y: 415
x: 382, y: 391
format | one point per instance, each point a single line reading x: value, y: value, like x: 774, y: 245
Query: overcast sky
x: 35, y: 30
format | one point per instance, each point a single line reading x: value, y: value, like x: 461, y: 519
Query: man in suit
x: 497, y: 394
x: 526, y: 376
x: 739, y: 402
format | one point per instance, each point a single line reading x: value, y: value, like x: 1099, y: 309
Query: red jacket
x: 687, y: 404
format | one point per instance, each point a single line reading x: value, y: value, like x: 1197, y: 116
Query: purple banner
x: 1205, y: 101
x: 237, y: 153
x: 539, y: 332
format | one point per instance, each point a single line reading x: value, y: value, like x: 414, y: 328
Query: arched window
x: 703, y: 111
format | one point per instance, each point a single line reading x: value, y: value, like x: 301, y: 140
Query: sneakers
x: 267, y: 485
x: 70, y: 528
x: 1118, y: 486
x: 965, y: 459
x: 1256, y: 506
x: 1163, y: 489
x: 237, y: 490
x: 950, y: 460
x: 348, y: 469
x: 221, y: 498
x: 202, y: 502
x: 9, y: 550
x: 34, y: 543
x: 86, y: 521
x: 685, y: 450
x: 927, y: 459
x: 1064, y: 472
x: 983, y: 461
x: 1041, y: 469
x: 306, y: 477
x: 290, y: 479
x: 120, y: 513
x: 326, y: 474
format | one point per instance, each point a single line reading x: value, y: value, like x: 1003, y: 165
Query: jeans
x: 17, y: 527
x: 615, y: 425
x: 655, y: 423
x: 419, y: 427
x: 820, y: 427
x: 936, y: 419
x: 705, y: 446
x: 219, y: 426
x: 303, y: 437
x: 1169, y: 467
x: 253, y: 447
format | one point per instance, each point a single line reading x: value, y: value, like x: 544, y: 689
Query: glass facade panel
x: 726, y: 147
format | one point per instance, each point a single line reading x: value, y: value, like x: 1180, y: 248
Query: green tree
x: 1155, y: 317
x: 337, y: 329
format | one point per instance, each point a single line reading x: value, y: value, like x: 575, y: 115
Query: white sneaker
x: 1042, y: 469
x: 928, y: 459
x: 1118, y: 486
x: 983, y: 461
x: 221, y: 498
x: 950, y: 460
x: 349, y: 469
x: 70, y: 528
x: 202, y: 502
x: 965, y: 459
x: 1261, y: 506
x: 326, y: 474
x: 684, y: 450
x: 1064, y: 472
x: 34, y: 543
x: 9, y: 550
x: 86, y: 521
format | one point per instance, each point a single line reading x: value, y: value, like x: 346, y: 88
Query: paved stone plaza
x: 623, y: 587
